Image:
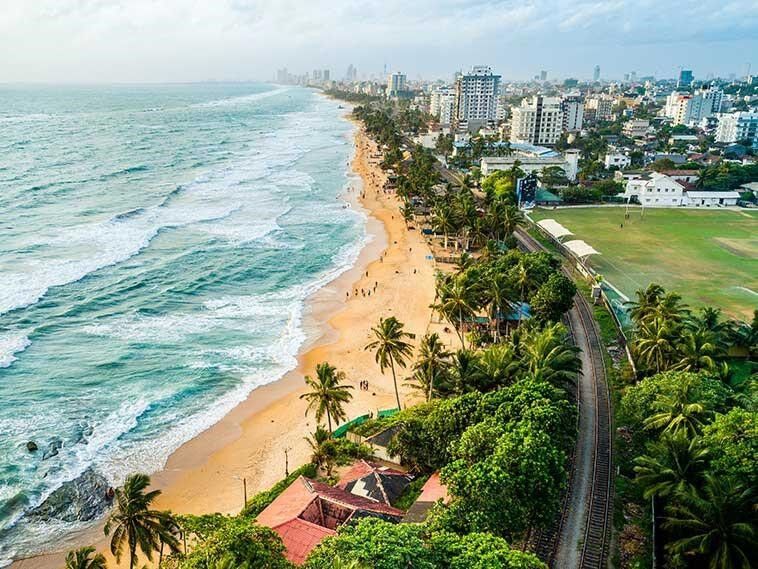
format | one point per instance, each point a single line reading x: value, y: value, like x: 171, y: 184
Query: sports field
x: 709, y: 256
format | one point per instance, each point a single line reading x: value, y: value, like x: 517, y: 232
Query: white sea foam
x: 10, y: 345
x: 243, y: 98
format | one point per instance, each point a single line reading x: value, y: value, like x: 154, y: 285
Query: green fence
x: 342, y: 430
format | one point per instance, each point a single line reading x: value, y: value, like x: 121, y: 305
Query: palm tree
x: 697, y: 351
x: 456, y: 302
x: 82, y: 559
x: 431, y: 367
x: 135, y: 525
x: 678, y: 410
x: 316, y: 441
x: 442, y: 221
x: 465, y: 371
x: 497, y: 366
x: 675, y: 464
x: 548, y: 356
x: 495, y: 291
x: 390, y: 347
x: 718, y: 525
x: 647, y: 300
x: 510, y: 219
x: 654, y: 343
x: 328, y: 393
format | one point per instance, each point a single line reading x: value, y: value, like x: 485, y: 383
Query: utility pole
x: 286, y: 462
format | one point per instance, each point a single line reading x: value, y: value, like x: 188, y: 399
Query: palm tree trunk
x: 329, y: 421
x: 460, y: 328
x: 431, y: 383
x: 394, y: 380
x: 132, y: 554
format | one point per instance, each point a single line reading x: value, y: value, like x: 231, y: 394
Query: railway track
x: 580, y: 537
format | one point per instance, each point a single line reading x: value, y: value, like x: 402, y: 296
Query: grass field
x: 710, y: 257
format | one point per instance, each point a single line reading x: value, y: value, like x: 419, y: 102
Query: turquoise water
x: 157, y: 244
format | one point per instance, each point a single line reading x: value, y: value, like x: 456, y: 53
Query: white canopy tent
x: 554, y: 228
x: 580, y: 248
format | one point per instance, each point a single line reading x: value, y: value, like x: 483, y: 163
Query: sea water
x: 157, y: 246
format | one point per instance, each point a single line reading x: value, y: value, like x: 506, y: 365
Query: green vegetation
x: 133, y: 525
x: 85, y: 558
x: 327, y: 394
x: 382, y: 545
x: 710, y: 256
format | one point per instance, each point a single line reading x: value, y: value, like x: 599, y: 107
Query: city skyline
x: 177, y: 40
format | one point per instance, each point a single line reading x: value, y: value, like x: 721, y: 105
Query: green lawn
x: 709, y: 256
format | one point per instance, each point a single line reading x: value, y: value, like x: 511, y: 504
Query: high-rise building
x: 736, y: 127
x: 325, y: 75
x: 352, y: 73
x: 596, y: 73
x: 476, y: 95
x: 685, y: 78
x: 572, y: 108
x: 395, y: 84
x: 538, y: 120
x: 442, y: 104
x: 598, y: 108
x: 543, y: 75
x: 691, y: 108
x: 316, y: 75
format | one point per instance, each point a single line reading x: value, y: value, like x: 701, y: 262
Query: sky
x: 75, y: 41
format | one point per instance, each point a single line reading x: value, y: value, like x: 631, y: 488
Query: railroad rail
x: 580, y: 537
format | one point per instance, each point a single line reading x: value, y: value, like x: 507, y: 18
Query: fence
x: 612, y: 298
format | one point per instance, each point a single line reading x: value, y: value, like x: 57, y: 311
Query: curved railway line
x: 580, y: 538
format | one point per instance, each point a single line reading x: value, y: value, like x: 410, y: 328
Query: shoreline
x: 205, y: 474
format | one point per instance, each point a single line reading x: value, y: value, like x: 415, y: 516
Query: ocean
x: 157, y: 247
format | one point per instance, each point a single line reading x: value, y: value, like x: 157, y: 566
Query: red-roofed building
x: 308, y: 511
x: 433, y: 491
x: 375, y: 481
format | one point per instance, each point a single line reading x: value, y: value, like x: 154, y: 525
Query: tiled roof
x: 432, y: 491
x: 361, y: 468
x: 345, y: 498
x: 300, y: 537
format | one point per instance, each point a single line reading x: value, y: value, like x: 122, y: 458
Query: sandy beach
x: 206, y: 474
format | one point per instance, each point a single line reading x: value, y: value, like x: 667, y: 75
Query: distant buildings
x: 617, y: 160
x: 572, y: 108
x: 538, y: 120
x: 636, y: 128
x: 739, y: 126
x: 691, y: 108
x: 598, y: 108
x: 596, y: 73
x: 352, y: 73
x: 396, y: 85
x: 442, y: 104
x: 685, y: 78
x: 476, y: 97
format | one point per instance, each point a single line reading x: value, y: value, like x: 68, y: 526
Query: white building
x: 616, y: 159
x: 442, y: 104
x: 710, y: 199
x: 738, y: 126
x: 636, y: 128
x: 690, y: 109
x: 572, y: 108
x: 655, y: 190
x: 538, y: 120
x: 395, y: 84
x: 598, y: 108
x: 533, y: 158
x: 476, y: 97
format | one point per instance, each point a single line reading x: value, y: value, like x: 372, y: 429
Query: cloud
x: 148, y: 40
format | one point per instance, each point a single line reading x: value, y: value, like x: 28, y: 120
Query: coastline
x: 205, y: 474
